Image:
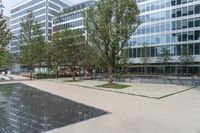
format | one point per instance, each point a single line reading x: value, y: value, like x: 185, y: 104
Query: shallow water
x: 24, y: 109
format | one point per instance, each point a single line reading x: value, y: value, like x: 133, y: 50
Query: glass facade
x: 72, y: 18
x: 43, y: 12
x: 174, y: 24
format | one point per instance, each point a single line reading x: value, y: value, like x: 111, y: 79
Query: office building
x: 43, y: 12
x: 170, y: 24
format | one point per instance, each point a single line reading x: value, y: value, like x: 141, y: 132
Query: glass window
x: 190, y: 35
x: 157, y: 5
x: 147, y: 29
x: 148, y: 7
x: 190, y: 10
x: 197, y: 49
x: 190, y: 23
x: 153, y: 17
x: 134, y: 53
x: 184, y: 1
x: 178, y: 2
x: 197, y: 9
x: 162, y: 27
x: 162, y: 15
x: 153, y: 29
x: 184, y: 36
x: 157, y: 28
x: 168, y: 14
x: 130, y: 53
x: 162, y: 4
x: 190, y: 49
x: 173, y: 2
x: 168, y: 27
x: 173, y: 13
x: 143, y: 8
x: 168, y: 38
x: 168, y: 3
x: 197, y: 22
x: 184, y: 23
x: 148, y: 18
x: 184, y: 11
x: 178, y: 24
x: 197, y: 35
x: 190, y: 0
x: 139, y: 52
x: 157, y: 39
x: 178, y: 37
x: 178, y: 47
x: 143, y: 30
x: 163, y: 39
x: 153, y: 6
x: 152, y: 52
x: 174, y: 25
x: 178, y: 12
x: 173, y: 38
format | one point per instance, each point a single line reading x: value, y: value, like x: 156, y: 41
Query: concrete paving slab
x: 140, y: 89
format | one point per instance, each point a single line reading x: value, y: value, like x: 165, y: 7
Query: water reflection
x: 24, y: 109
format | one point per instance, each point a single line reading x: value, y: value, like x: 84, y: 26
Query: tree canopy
x: 109, y: 25
x: 32, y: 44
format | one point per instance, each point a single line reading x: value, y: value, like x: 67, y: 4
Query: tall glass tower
x: 43, y: 11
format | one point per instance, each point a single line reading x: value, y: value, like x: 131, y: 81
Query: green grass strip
x: 113, y: 86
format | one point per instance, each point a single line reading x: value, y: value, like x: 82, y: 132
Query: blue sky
x: 9, y: 3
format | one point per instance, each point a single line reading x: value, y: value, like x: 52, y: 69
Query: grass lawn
x: 73, y: 81
x: 113, y: 86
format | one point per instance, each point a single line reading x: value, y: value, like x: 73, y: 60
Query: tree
x: 164, y: 57
x: 145, y: 56
x: 32, y: 43
x: 68, y: 49
x: 109, y: 25
x: 186, y: 58
x: 56, y: 50
x: 5, y: 36
x: 91, y: 58
x: 74, y: 50
x: 6, y: 59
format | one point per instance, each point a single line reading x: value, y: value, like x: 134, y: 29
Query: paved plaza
x: 177, y: 113
x: 139, y: 89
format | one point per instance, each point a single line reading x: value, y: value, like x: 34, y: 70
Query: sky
x: 10, y: 3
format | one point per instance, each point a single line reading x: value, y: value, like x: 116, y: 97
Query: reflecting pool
x: 24, y: 109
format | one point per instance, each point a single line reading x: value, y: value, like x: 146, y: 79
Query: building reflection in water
x: 25, y: 109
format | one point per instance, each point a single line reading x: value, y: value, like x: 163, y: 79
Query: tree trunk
x: 56, y: 71
x: 31, y: 74
x: 73, y: 73
x: 110, y: 72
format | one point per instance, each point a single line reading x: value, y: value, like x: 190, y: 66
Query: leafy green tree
x: 74, y: 50
x: 109, y: 25
x: 6, y: 59
x: 145, y: 57
x: 91, y: 60
x: 56, y: 57
x: 68, y: 49
x: 5, y: 36
x: 186, y: 58
x: 164, y: 57
x: 32, y: 43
